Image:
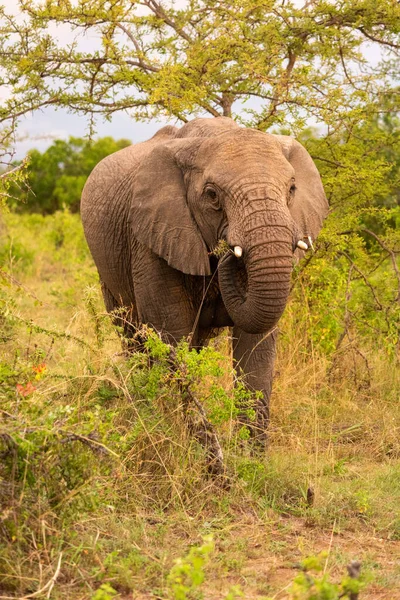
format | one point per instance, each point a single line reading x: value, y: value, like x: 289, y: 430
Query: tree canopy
x: 268, y: 63
x: 55, y: 178
x: 264, y: 61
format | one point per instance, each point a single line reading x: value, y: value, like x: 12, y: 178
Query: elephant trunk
x: 255, y: 288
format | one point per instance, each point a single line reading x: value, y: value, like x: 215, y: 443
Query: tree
x: 55, y: 178
x: 265, y: 62
x: 209, y: 57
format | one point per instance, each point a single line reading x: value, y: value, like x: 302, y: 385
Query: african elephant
x: 153, y: 213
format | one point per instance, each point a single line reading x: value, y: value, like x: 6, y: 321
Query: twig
x: 160, y: 13
x: 89, y: 441
x: 364, y: 278
x: 145, y: 66
x: 14, y: 170
x: 46, y: 588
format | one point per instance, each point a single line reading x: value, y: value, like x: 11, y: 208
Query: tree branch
x: 145, y: 66
x: 158, y: 10
x: 378, y: 40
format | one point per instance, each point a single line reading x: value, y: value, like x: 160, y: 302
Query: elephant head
x: 215, y: 180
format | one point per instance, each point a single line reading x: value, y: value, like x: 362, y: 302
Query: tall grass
x: 101, y: 481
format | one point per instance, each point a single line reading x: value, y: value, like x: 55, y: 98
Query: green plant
x: 313, y: 584
x: 187, y: 574
x: 97, y: 462
x: 105, y: 592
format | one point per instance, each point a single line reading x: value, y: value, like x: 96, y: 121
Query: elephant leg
x: 254, y: 357
x: 161, y: 298
x: 124, y: 317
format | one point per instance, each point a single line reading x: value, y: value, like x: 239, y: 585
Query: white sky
x: 41, y: 128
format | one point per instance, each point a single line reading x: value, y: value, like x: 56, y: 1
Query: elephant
x: 154, y: 212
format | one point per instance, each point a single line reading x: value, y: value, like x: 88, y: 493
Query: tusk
x: 311, y: 245
x: 237, y: 251
x: 302, y: 245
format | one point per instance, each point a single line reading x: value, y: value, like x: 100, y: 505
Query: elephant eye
x: 292, y: 188
x: 213, y: 197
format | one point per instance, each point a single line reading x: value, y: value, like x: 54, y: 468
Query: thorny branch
x: 347, y: 333
x: 198, y: 424
x: 392, y: 255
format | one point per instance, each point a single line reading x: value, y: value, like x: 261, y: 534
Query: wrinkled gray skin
x: 153, y: 212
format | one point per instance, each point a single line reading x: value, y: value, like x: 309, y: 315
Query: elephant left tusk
x: 237, y: 251
x: 302, y: 245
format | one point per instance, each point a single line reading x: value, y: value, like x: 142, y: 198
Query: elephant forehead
x: 238, y: 147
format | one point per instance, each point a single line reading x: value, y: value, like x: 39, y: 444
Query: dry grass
x: 106, y: 480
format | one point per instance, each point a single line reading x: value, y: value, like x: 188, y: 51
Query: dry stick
x: 17, y: 283
x: 46, y: 588
x: 89, y: 440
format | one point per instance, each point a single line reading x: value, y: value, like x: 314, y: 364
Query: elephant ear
x: 160, y: 217
x: 309, y: 206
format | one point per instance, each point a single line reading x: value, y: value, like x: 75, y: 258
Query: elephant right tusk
x: 237, y: 251
x: 302, y: 245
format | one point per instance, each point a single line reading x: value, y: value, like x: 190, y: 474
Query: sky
x: 38, y: 130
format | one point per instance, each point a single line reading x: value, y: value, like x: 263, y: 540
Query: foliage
x: 268, y: 65
x: 205, y: 56
x: 188, y: 573
x: 55, y: 178
x: 310, y: 585
x: 105, y: 592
